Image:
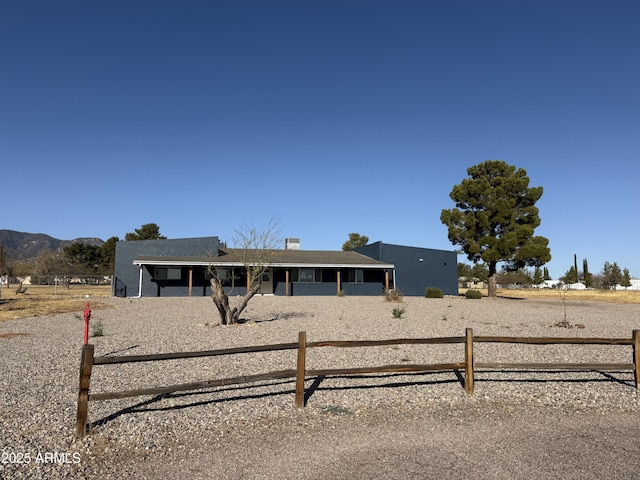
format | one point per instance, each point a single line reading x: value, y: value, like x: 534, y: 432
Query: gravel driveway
x: 516, y: 425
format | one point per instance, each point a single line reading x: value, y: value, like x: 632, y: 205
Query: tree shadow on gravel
x: 273, y: 317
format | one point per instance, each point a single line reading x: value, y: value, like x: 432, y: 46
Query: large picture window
x: 167, y: 273
x: 227, y: 276
x: 306, y: 275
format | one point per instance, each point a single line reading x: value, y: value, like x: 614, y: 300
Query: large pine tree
x: 495, y: 218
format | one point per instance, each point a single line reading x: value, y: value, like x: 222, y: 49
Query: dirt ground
x: 476, y: 442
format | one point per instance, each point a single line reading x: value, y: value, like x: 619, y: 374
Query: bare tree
x: 563, y: 296
x: 255, y: 248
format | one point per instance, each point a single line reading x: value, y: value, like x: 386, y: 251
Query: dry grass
x: 608, y: 296
x: 47, y: 300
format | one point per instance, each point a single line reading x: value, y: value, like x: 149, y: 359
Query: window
x: 306, y: 275
x: 168, y: 273
x: 356, y: 275
x: 222, y: 273
x: 227, y: 276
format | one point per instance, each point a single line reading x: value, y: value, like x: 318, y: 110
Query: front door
x: 266, y: 282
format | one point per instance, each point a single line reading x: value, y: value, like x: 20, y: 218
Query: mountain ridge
x: 24, y: 245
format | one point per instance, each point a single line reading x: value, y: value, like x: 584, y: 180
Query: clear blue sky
x: 331, y: 116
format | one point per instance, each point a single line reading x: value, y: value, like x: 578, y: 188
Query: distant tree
x: 89, y: 259
x: 611, y: 276
x: 480, y: 271
x: 3, y: 260
x: 355, y: 240
x: 587, y: 277
x: 464, y: 270
x: 83, y: 257
x: 538, y: 276
x: 48, y: 265
x: 518, y: 277
x: 22, y: 268
x: 148, y: 231
x: 625, y: 280
x: 616, y: 276
x: 108, y: 255
x: 256, y: 246
x: 570, y: 276
x: 546, y: 274
x: 495, y: 218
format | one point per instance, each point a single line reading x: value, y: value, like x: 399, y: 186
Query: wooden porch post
x: 386, y: 282
x: 339, y: 283
x: 286, y: 283
x: 190, y: 280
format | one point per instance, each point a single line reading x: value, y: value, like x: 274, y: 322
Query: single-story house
x: 183, y: 267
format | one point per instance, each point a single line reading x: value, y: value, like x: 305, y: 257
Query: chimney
x: 292, y: 244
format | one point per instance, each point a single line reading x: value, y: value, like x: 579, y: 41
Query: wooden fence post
x: 636, y: 357
x: 302, y: 352
x: 468, y: 361
x: 86, y: 365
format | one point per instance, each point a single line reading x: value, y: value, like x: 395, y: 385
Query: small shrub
x: 398, y: 312
x: 394, y: 296
x: 97, y: 329
x: 473, y: 294
x: 341, y: 293
x: 433, y: 292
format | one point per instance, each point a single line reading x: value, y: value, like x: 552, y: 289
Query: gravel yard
x: 516, y: 425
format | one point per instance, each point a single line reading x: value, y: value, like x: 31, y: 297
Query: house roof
x: 273, y: 258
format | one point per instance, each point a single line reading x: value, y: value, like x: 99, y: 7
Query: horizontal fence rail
x: 182, y: 355
x: 88, y: 361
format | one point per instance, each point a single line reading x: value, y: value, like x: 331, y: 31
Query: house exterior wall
x: 417, y: 268
x: 126, y: 274
x: 372, y: 284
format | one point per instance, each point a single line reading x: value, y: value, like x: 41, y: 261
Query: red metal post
x: 87, y: 317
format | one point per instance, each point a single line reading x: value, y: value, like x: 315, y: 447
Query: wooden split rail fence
x: 89, y: 361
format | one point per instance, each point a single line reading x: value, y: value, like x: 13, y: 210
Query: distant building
x: 635, y: 285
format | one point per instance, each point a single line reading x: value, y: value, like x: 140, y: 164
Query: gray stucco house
x: 182, y: 267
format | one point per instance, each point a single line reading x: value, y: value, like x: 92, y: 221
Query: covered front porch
x: 355, y: 275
